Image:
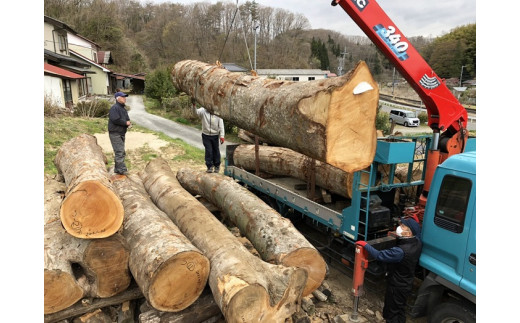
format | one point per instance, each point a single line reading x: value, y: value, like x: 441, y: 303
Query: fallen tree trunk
x: 90, y: 209
x: 273, y: 236
x: 331, y: 120
x: 101, y: 268
x: 245, y: 288
x: 170, y: 271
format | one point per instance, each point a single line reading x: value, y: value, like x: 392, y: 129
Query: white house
x: 293, y: 74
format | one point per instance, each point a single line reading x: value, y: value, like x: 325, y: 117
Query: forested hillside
x: 144, y: 37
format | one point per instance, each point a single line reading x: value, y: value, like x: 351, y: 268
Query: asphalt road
x: 172, y: 129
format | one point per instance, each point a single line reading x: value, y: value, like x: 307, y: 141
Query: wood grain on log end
x: 351, y: 132
x: 310, y: 260
x: 60, y: 291
x: 173, y: 286
x: 91, y: 211
x: 108, y: 259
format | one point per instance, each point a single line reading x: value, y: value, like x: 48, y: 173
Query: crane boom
x: 444, y: 111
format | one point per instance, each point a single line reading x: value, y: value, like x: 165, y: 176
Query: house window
x: 62, y: 41
x: 94, y: 55
x: 452, y: 203
x: 295, y: 78
x: 67, y: 91
x: 311, y: 78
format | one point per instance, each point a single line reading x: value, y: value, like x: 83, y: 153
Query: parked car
x: 404, y: 117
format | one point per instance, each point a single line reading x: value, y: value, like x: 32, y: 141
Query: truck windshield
x: 410, y: 115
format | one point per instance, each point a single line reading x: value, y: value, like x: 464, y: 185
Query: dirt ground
x: 337, y: 283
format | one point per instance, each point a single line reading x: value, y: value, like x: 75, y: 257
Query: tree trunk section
x: 101, y: 268
x: 245, y: 288
x: 286, y: 162
x: 273, y: 236
x: 331, y: 120
x: 90, y: 209
x: 170, y: 271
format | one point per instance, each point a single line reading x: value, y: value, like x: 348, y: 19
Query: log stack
x: 100, y: 265
x: 273, y: 236
x: 245, y: 288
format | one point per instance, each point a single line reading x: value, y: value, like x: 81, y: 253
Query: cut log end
x: 108, y: 258
x: 179, y: 281
x: 60, y: 291
x: 354, y: 131
x: 310, y: 260
x: 91, y: 211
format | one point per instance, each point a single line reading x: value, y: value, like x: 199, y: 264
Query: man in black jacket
x: 402, y: 260
x: 118, y: 123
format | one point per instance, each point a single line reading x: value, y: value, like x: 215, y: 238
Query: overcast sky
x: 412, y: 17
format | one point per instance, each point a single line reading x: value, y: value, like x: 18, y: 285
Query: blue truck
x: 447, y: 266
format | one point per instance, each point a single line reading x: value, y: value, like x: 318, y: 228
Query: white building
x: 294, y: 74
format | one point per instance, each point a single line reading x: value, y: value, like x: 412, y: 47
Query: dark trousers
x: 118, y: 145
x: 212, y: 151
x: 394, y: 310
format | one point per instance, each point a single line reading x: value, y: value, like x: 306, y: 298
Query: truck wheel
x: 406, y: 124
x: 451, y: 312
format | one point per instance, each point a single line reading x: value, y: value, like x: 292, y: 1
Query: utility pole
x: 393, y: 82
x: 460, y: 81
x: 342, y: 62
x: 255, y: 29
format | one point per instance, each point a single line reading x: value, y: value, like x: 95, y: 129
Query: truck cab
x: 449, y: 240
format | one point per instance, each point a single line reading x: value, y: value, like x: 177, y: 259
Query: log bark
x: 245, y: 288
x: 170, y: 271
x: 79, y: 308
x: 90, y: 209
x: 331, y: 120
x: 101, y: 268
x: 286, y: 162
x: 273, y: 236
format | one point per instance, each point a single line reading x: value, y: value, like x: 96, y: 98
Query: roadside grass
x: 59, y: 130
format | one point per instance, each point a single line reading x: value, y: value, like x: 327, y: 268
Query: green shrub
x: 95, y: 108
x: 423, y: 117
x: 382, y: 122
x: 159, y: 85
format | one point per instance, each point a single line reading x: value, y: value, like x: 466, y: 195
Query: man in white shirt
x: 212, y: 133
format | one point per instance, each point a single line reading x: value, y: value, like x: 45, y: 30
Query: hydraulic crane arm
x: 445, y: 113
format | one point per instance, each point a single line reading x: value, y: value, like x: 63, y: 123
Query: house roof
x: 89, y: 61
x: 104, y: 57
x: 291, y: 72
x: 232, y: 67
x: 120, y: 76
x: 58, y: 23
x: 51, y: 69
x: 60, y: 59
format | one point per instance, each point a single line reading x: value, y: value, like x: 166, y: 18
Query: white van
x: 404, y: 117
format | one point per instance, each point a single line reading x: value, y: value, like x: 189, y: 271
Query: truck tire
x: 452, y: 312
x: 406, y: 124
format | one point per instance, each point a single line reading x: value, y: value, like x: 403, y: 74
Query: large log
x: 170, y: 271
x: 245, y: 288
x: 286, y: 162
x: 273, y: 236
x: 101, y: 268
x: 90, y: 209
x: 331, y: 120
